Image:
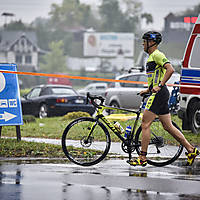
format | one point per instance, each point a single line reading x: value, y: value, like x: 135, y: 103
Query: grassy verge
x: 54, y: 127
x: 12, y: 148
x: 41, y: 128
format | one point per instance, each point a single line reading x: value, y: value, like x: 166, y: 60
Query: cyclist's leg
x: 147, y: 120
x: 168, y: 126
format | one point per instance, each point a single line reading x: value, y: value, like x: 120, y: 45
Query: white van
x: 189, y: 110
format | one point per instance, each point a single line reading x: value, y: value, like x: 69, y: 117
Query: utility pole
x: 6, y: 14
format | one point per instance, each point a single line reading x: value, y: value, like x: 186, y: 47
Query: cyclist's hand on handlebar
x: 143, y: 92
x: 155, y: 89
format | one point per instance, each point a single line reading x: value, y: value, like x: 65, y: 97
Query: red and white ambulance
x: 189, y: 110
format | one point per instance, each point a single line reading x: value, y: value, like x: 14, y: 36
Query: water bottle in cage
x: 128, y: 131
x: 119, y: 127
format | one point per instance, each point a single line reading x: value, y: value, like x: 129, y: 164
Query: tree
x: 68, y: 21
x: 122, y: 20
x: 148, y: 17
x: 134, y: 10
x: 193, y: 11
x: 54, y: 61
x: 44, y: 34
x: 71, y: 14
x: 17, y: 26
x: 111, y: 15
x: 133, y: 7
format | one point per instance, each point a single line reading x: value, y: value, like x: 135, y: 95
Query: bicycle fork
x: 88, y: 138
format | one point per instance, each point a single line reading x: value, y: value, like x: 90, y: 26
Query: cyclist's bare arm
x: 168, y: 73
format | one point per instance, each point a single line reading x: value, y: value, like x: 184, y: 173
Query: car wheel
x: 195, y: 117
x: 43, y: 112
x: 113, y: 104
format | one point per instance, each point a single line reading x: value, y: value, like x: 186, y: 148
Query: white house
x: 21, y: 48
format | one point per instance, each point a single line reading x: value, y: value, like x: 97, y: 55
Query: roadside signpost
x: 10, y: 104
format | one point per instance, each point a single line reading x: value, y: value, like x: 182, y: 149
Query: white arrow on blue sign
x: 7, y: 116
x: 10, y: 104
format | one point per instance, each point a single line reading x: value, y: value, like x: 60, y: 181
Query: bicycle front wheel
x: 163, y: 148
x: 86, y: 141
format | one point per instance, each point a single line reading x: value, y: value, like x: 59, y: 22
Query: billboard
x: 108, y: 44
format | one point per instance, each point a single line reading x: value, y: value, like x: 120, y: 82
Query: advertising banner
x: 109, y: 44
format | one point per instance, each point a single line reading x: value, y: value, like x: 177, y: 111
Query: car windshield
x: 66, y: 91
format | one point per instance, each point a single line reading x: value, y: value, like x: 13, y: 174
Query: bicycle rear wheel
x: 86, y: 141
x: 163, y: 148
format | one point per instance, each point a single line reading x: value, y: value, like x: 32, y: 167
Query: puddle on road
x: 110, y: 193
x: 187, y: 172
x: 111, y: 180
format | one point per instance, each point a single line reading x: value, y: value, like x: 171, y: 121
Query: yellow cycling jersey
x: 155, y: 68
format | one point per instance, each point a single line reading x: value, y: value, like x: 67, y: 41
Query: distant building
x: 21, y: 48
x: 177, y: 28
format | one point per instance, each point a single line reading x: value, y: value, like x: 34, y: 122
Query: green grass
x: 191, y: 137
x: 53, y: 128
x: 41, y: 128
x: 13, y: 148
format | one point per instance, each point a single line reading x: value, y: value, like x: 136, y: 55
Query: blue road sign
x: 10, y: 104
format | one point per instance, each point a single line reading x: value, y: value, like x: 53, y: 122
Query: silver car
x: 124, y: 95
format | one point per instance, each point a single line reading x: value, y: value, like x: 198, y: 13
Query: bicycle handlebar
x: 145, y: 95
x: 93, y: 98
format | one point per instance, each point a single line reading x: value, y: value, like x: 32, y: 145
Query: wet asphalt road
x: 109, y: 180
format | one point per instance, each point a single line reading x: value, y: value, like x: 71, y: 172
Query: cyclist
x: 159, y: 70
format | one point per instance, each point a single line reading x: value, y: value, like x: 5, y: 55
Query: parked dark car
x: 54, y: 100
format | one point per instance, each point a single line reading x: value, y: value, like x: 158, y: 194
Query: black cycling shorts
x: 158, y: 102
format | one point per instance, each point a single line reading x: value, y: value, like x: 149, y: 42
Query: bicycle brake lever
x: 87, y: 99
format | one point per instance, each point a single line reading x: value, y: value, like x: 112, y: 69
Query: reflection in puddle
x: 115, y: 181
x: 104, y: 193
x: 187, y: 172
x: 10, y: 182
x: 137, y: 174
x: 11, y: 177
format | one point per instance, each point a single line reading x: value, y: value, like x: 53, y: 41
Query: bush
x: 24, y: 91
x: 28, y: 118
x: 75, y: 115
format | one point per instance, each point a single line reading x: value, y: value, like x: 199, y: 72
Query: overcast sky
x: 28, y: 10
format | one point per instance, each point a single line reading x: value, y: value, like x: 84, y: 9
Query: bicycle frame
x: 101, y: 116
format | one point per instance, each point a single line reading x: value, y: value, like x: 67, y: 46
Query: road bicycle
x: 86, y: 141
